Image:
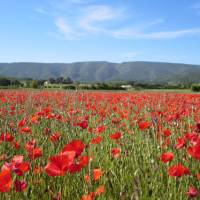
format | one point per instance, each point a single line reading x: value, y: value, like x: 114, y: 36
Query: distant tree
x: 15, y: 82
x: 132, y: 83
x: 195, y: 87
x: 67, y: 80
x: 52, y: 80
x: 41, y: 82
x: 28, y: 79
x: 4, y: 81
x: 59, y: 80
x: 62, y: 80
x: 34, y: 84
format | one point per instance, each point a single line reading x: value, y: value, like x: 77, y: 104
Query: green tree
x: 4, y: 81
x: 34, y: 84
x: 195, y: 87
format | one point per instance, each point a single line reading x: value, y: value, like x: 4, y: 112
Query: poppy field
x: 99, y: 145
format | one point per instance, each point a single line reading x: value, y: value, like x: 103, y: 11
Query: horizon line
x: 91, y: 61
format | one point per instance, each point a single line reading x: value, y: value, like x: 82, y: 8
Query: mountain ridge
x: 98, y: 71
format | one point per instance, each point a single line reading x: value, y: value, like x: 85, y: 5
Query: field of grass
x: 99, y: 145
x: 169, y: 90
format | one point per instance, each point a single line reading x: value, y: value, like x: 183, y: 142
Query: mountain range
x: 104, y: 71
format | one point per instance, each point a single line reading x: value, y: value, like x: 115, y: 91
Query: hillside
x: 104, y: 71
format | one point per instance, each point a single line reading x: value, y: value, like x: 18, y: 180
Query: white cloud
x: 90, y: 21
x: 98, y: 20
x: 94, y: 15
x: 66, y: 30
x: 141, y: 34
x: 172, y: 34
x: 130, y: 55
x: 41, y: 11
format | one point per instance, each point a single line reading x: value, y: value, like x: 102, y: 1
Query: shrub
x: 4, y: 81
x: 34, y: 84
x: 69, y: 87
x: 195, y: 87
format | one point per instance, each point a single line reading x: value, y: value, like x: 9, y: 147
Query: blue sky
x: 91, y: 30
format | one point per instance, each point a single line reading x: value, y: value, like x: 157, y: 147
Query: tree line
x: 68, y: 83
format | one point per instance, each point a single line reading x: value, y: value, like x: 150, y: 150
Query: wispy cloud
x: 130, y: 55
x: 90, y: 19
x: 95, y: 15
x: 172, y: 34
x: 141, y: 34
x: 66, y: 30
x: 41, y: 10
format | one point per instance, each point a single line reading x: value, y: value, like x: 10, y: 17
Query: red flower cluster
x: 65, y: 161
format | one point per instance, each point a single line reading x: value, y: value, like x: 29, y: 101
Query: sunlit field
x: 99, y: 145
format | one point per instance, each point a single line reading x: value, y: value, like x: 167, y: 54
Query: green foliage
x: 100, y: 86
x: 9, y: 82
x: 195, y: 87
x: 34, y: 84
x: 61, y: 80
x: 4, y: 81
x: 69, y: 87
x: 139, y: 86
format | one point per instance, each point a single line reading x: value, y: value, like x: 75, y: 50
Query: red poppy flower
x: 35, y: 119
x: 115, y: 136
x: 181, y: 143
x: 167, y: 132
x: 6, y: 137
x: 167, y: 157
x: 100, y: 129
x: 30, y: 145
x: 20, y: 186
x: 3, y: 100
x: 99, y: 190
x: 192, y: 192
x: 97, y: 173
x: 178, y: 170
x: 5, y: 181
x: 22, y: 123
x: 59, y: 164
x: 76, y: 146
x: 83, y: 124
x: 198, y: 176
x: 143, y: 125
x: 21, y: 168
x: 26, y: 130
x: 194, y: 151
x: 191, y: 136
x: 87, y: 178
x: 16, y: 145
x: 35, y: 153
x: 96, y: 140
x: 74, y: 168
x: 116, y: 152
x: 83, y: 161
x: 89, y: 196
